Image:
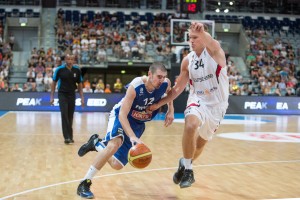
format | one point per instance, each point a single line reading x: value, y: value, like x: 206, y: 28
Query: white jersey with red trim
x: 209, y: 82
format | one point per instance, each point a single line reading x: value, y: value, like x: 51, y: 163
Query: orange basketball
x: 139, y: 156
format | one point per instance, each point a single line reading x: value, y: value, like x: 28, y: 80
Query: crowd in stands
x: 6, y: 57
x: 273, y: 65
x: 104, y: 35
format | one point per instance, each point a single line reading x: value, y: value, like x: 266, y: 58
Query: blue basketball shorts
x: 114, y: 129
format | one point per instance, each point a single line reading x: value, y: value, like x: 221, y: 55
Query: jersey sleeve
x: 56, y: 75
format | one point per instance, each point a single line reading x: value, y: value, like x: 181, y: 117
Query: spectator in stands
x: 116, y: 38
x: 16, y: 88
x: 107, y: 88
x: 11, y: 41
x: 94, y: 83
x: 98, y: 18
x: 2, y: 85
x: 159, y: 50
x: 98, y: 90
x: 30, y: 73
x: 85, y: 57
x: 39, y: 81
x: 135, y: 52
x: 48, y: 81
x: 126, y: 51
x: 100, y: 84
x: 290, y: 92
x: 101, y: 54
x: 40, y: 68
x: 87, y: 89
x: 118, y: 86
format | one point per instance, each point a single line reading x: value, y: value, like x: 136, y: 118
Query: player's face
x: 195, y: 40
x: 158, y: 78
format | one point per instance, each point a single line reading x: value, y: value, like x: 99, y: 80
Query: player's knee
x: 114, y: 145
x: 116, y: 165
x: 191, y: 126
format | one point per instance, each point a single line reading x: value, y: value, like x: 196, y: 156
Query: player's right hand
x: 51, y: 101
x: 153, y: 107
x: 134, y: 140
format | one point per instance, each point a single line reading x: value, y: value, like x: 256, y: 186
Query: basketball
x: 139, y: 156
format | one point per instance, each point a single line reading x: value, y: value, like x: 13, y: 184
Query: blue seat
x: 68, y: 16
x: 135, y: 14
x: 82, y: 16
x: 90, y: 15
x: 75, y: 16
x: 15, y: 12
x: 127, y: 17
x: 29, y: 13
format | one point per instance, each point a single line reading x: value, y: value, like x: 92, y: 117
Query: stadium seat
x: 90, y: 15
x: 68, y: 15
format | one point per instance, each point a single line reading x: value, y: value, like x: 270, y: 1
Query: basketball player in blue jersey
x: 126, y: 124
x: 204, y: 68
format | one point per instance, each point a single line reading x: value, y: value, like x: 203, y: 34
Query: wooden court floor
x: 253, y: 163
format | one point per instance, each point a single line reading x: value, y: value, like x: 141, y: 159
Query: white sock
x: 99, y: 146
x: 91, y: 172
x: 187, y: 163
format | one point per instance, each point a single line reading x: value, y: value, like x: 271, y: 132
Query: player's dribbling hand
x: 134, y: 140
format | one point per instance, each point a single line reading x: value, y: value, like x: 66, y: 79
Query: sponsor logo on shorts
x: 206, y: 91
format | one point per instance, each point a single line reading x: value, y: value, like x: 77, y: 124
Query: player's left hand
x: 169, y: 118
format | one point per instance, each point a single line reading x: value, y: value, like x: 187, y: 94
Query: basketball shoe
x: 89, y: 145
x: 187, y: 178
x: 178, y: 175
x: 83, y: 189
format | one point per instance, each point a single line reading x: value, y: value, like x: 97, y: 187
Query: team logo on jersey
x: 142, y: 116
x: 74, y: 75
x: 141, y: 92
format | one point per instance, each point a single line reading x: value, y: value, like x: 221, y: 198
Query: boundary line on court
x: 150, y: 170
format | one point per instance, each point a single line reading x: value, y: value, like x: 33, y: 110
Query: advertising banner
x: 40, y: 101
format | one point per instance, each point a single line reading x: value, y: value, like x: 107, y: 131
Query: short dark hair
x: 157, y: 65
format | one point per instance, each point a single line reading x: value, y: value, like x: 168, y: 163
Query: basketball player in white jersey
x: 204, y: 68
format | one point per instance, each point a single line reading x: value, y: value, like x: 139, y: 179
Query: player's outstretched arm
x: 182, y: 80
x: 170, y: 112
x: 210, y: 43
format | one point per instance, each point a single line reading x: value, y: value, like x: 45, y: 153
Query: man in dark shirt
x: 69, y: 78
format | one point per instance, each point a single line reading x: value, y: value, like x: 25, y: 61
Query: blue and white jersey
x: 142, y: 100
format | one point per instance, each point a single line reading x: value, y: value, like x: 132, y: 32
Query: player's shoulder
x: 59, y: 68
x: 138, y: 81
x: 76, y: 67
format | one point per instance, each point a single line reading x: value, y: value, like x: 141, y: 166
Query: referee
x: 69, y: 78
